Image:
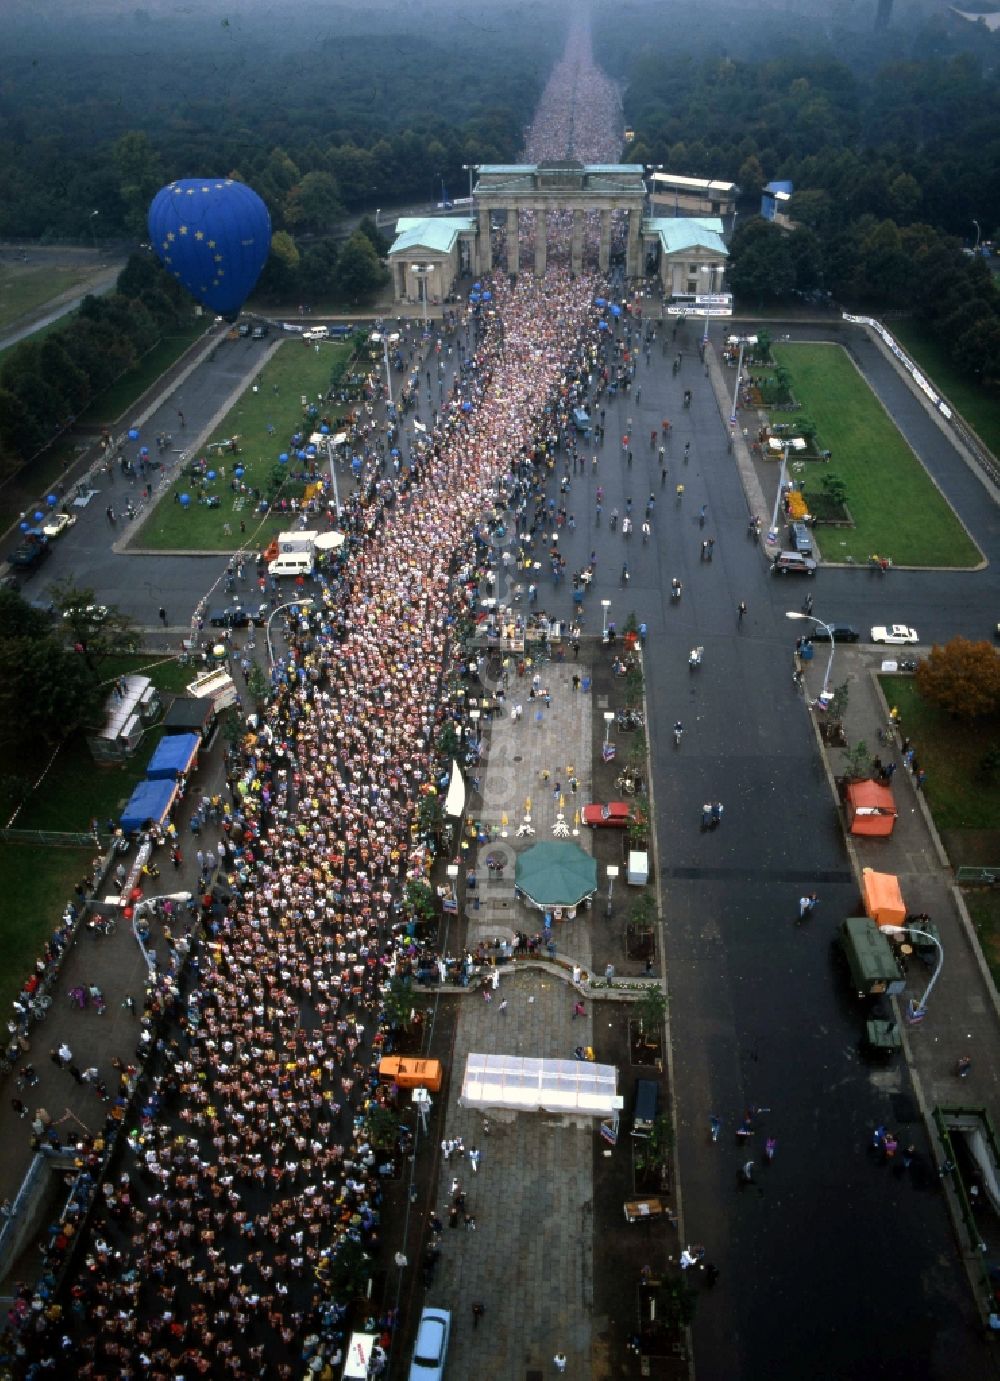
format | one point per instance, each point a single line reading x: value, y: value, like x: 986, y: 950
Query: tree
x: 99, y: 631
x: 359, y: 274
x: 762, y: 266
x: 314, y: 202
x: 380, y: 243
x: 962, y: 677
x: 140, y: 176
x: 47, y: 692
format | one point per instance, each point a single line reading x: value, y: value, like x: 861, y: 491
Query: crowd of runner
x: 250, y: 1177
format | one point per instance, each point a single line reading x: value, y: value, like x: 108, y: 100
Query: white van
x: 317, y: 333
x: 291, y: 563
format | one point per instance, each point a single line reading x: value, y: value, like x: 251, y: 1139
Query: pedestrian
x: 503, y: 1005
x: 717, y: 813
x: 478, y: 1310
x: 474, y: 1155
x: 446, y: 1148
x: 163, y: 616
x: 559, y: 1362
x: 65, y: 1053
x: 579, y: 1010
x: 19, y: 1107
x: 920, y: 778
x: 706, y: 815
x: 807, y: 905
x: 741, y: 610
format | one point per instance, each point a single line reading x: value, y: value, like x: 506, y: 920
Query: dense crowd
x: 251, y: 1180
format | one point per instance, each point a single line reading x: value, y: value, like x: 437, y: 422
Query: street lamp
x: 470, y: 168
x: 772, y: 535
x: 385, y: 357
x: 916, y: 1011
x: 794, y: 614
x: 609, y: 719
x: 974, y: 247
x: 605, y: 606
x: 93, y: 235
x: 292, y: 604
x: 612, y: 874
x: 736, y: 390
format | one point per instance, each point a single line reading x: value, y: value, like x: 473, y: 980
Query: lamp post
x: 291, y: 604
x: 736, y: 389
x: 916, y: 1011
x: 385, y: 358
x: 605, y: 606
x: 470, y: 168
x: 612, y: 874
x: 772, y: 536
x: 93, y: 234
x: 609, y: 719
x: 974, y: 247
x: 794, y: 614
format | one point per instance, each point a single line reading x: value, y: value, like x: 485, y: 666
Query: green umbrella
x: 556, y: 874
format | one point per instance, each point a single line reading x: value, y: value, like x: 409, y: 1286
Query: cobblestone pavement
x: 529, y: 1260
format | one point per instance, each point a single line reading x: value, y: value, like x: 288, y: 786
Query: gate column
x: 485, y: 247
x: 513, y: 240
x: 633, y: 267
x: 576, y: 244
x: 541, y: 247
x: 604, y: 249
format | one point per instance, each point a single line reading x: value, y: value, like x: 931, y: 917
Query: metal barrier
x: 978, y: 877
x: 55, y: 839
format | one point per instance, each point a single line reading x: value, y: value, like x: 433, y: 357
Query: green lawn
x: 958, y: 793
x: 293, y: 372
x: 964, y: 802
x: 896, y: 508
x: 979, y: 410
x: 166, y: 673
x: 117, y: 400
x: 36, y: 882
x: 24, y: 288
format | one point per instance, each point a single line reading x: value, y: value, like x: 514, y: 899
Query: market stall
x: 871, y: 809
x: 882, y: 897
x: 149, y: 802
x: 175, y: 756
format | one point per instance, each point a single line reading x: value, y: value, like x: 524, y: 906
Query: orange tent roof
x: 871, y: 809
x: 883, y: 899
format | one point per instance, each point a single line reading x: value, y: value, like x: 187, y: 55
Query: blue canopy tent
x: 173, y: 757
x: 149, y: 801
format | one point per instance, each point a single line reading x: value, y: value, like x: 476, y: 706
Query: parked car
x: 244, y: 328
x: 894, y: 633
x: 235, y: 616
x: 57, y: 525
x: 793, y: 563
x: 842, y: 633
x: 431, y: 1347
x: 802, y: 539
x: 614, y: 816
x: 93, y: 613
x: 30, y: 554
x: 259, y: 331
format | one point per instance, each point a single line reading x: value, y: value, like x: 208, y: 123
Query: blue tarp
x: 173, y: 756
x: 149, y: 801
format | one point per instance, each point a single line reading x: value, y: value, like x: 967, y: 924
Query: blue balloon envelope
x: 211, y: 474
x: 394, y: 451
x: 39, y: 517
x: 600, y: 301
x: 213, y: 235
x: 615, y: 309
x: 324, y: 430
x: 476, y: 287
x: 52, y: 501
x: 133, y: 434
x: 144, y: 450
x: 466, y: 407
x: 25, y: 527
x: 283, y: 457
x: 239, y: 472
x: 487, y: 296
x: 185, y: 499
x: 474, y: 297
x: 603, y: 325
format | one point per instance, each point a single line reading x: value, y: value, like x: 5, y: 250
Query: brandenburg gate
x: 560, y: 185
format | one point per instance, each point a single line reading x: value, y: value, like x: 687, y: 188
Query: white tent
x: 573, y: 1087
x: 454, y: 802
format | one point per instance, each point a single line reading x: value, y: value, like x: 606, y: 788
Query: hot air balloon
x: 213, y: 235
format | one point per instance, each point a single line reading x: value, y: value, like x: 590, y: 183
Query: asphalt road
x: 829, y: 1261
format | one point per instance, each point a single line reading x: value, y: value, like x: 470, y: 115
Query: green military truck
x: 875, y: 972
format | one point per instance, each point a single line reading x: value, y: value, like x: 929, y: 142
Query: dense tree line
x: 45, y: 383
x: 319, y: 110
x: 892, y: 165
